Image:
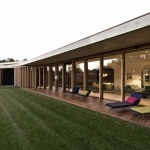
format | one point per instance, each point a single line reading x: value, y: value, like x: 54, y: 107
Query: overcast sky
x: 29, y: 28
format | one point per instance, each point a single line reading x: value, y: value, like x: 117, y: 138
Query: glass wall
x: 68, y: 76
x: 60, y: 67
x: 137, y: 73
x: 53, y: 75
x: 112, y: 77
x: 79, y: 69
x: 93, y: 76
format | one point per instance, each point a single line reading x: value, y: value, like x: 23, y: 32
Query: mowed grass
x: 30, y: 121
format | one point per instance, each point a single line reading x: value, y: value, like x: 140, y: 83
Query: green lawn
x: 34, y: 122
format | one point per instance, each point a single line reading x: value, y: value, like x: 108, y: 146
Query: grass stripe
x: 47, y: 123
x: 45, y: 111
x: 34, y: 119
x: 16, y: 131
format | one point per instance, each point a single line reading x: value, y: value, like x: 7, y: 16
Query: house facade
x: 112, y: 63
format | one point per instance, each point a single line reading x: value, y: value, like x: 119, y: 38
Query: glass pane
x: 68, y: 77
x: 93, y: 76
x: 112, y: 77
x: 79, y: 74
x: 60, y: 67
x: 53, y: 76
x: 137, y: 73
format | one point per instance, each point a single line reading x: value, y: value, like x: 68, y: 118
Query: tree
x: 7, y: 60
x: 10, y: 60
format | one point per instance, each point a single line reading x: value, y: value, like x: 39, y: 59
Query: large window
x: 112, y: 77
x: 68, y: 76
x: 137, y: 73
x: 53, y: 76
x: 60, y: 67
x: 93, y: 76
x: 79, y: 74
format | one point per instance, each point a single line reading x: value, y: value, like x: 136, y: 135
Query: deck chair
x: 141, y: 110
x: 133, y: 100
x: 85, y: 93
x: 75, y: 90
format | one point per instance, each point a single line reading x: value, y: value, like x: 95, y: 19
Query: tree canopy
x: 10, y: 60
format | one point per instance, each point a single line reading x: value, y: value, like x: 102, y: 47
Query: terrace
x: 98, y: 105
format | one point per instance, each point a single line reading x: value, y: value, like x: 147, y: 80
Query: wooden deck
x: 97, y: 105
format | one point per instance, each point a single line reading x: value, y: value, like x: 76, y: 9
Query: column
x: 25, y: 72
x: 35, y: 77
x: 56, y: 77
x: 39, y: 77
x: 50, y: 78
x: 73, y: 75
x: 85, y: 75
x: 28, y: 78
x: 123, y: 77
x: 19, y: 76
x: 32, y: 76
x: 44, y: 77
x: 63, y: 78
x: 101, y: 78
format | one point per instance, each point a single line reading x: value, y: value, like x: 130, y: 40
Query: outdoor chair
x: 133, y: 100
x: 141, y: 110
x: 85, y: 93
x: 75, y: 90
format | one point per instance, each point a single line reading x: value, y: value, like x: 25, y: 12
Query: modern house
x: 112, y: 63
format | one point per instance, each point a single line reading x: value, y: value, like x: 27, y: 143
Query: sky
x: 30, y: 28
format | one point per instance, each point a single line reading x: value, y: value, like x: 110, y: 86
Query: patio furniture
x: 133, y: 100
x: 75, y: 90
x: 141, y: 110
x: 85, y: 93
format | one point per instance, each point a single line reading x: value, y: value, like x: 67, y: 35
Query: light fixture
x: 105, y: 75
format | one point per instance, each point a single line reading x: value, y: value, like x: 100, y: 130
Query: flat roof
x: 128, y: 34
x: 9, y: 65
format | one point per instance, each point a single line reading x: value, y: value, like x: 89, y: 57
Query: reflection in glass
x: 138, y: 64
x: 93, y: 76
x: 53, y: 76
x: 79, y: 69
x: 68, y: 76
x: 112, y: 77
x: 60, y: 67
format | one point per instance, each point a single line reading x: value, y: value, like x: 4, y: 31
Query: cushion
x: 142, y: 110
x: 85, y: 92
x: 131, y: 99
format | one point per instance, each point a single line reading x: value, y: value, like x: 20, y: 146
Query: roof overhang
x: 132, y: 33
x: 10, y: 65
